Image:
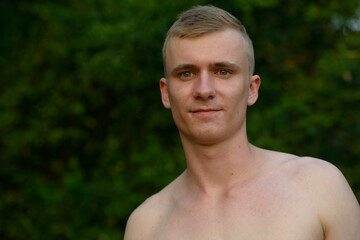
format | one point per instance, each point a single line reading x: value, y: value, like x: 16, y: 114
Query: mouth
x: 205, y: 112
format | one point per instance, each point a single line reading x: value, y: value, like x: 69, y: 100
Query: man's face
x: 208, y: 86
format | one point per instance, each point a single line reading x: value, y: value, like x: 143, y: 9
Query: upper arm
x: 133, y: 224
x: 338, y: 207
x: 140, y: 222
x: 144, y: 221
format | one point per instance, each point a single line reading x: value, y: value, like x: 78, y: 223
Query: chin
x: 207, y: 138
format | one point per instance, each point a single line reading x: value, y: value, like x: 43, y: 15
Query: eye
x: 224, y: 73
x: 186, y: 75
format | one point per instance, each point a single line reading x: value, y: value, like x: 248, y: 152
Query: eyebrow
x: 182, y: 67
x: 224, y: 64
x: 227, y: 65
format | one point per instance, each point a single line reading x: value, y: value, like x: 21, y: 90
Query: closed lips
x: 204, y: 110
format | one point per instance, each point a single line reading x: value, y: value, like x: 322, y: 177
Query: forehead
x: 223, y: 46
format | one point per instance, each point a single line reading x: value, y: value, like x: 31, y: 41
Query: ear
x: 254, y: 85
x: 164, y: 93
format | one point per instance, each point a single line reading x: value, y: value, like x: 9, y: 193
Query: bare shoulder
x: 315, y: 171
x: 309, y: 171
x: 333, y: 199
x: 318, y: 176
x: 142, y: 218
x: 145, y: 219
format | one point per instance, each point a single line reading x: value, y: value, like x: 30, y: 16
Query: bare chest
x: 267, y: 214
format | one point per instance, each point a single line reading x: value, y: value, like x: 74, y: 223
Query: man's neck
x: 215, y: 169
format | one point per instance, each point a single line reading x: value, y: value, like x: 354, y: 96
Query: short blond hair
x: 200, y: 20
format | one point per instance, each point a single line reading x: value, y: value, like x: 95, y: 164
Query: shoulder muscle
x: 337, y: 205
x: 142, y: 220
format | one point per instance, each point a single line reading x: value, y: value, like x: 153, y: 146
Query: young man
x: 232, y: 189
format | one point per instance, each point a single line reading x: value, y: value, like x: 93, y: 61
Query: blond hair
x: 200, y: 20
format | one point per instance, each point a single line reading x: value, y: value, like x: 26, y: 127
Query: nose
x: 204, y: 87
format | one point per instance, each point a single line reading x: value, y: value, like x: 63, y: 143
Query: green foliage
x: 84, y: 138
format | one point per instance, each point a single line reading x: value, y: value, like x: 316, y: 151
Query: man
x: 232, y: 189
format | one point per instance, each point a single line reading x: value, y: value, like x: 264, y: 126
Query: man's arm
x: 140, y: 221
x: 143, y: 221
x: 134, y: 225
x: 339, y: 209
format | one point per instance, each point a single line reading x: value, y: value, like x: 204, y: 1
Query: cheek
x: 239, y: 95
x: 173, y: 98
x: 179, y: 94
x: 177, y: 103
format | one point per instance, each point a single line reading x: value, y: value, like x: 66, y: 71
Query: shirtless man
x: 232, y: 189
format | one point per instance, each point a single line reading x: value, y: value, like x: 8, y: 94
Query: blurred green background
x: 84, y: 138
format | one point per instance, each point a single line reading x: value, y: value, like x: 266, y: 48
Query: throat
x: 212, y: 173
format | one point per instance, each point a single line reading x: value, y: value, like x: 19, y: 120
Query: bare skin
x: 232, y: 189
